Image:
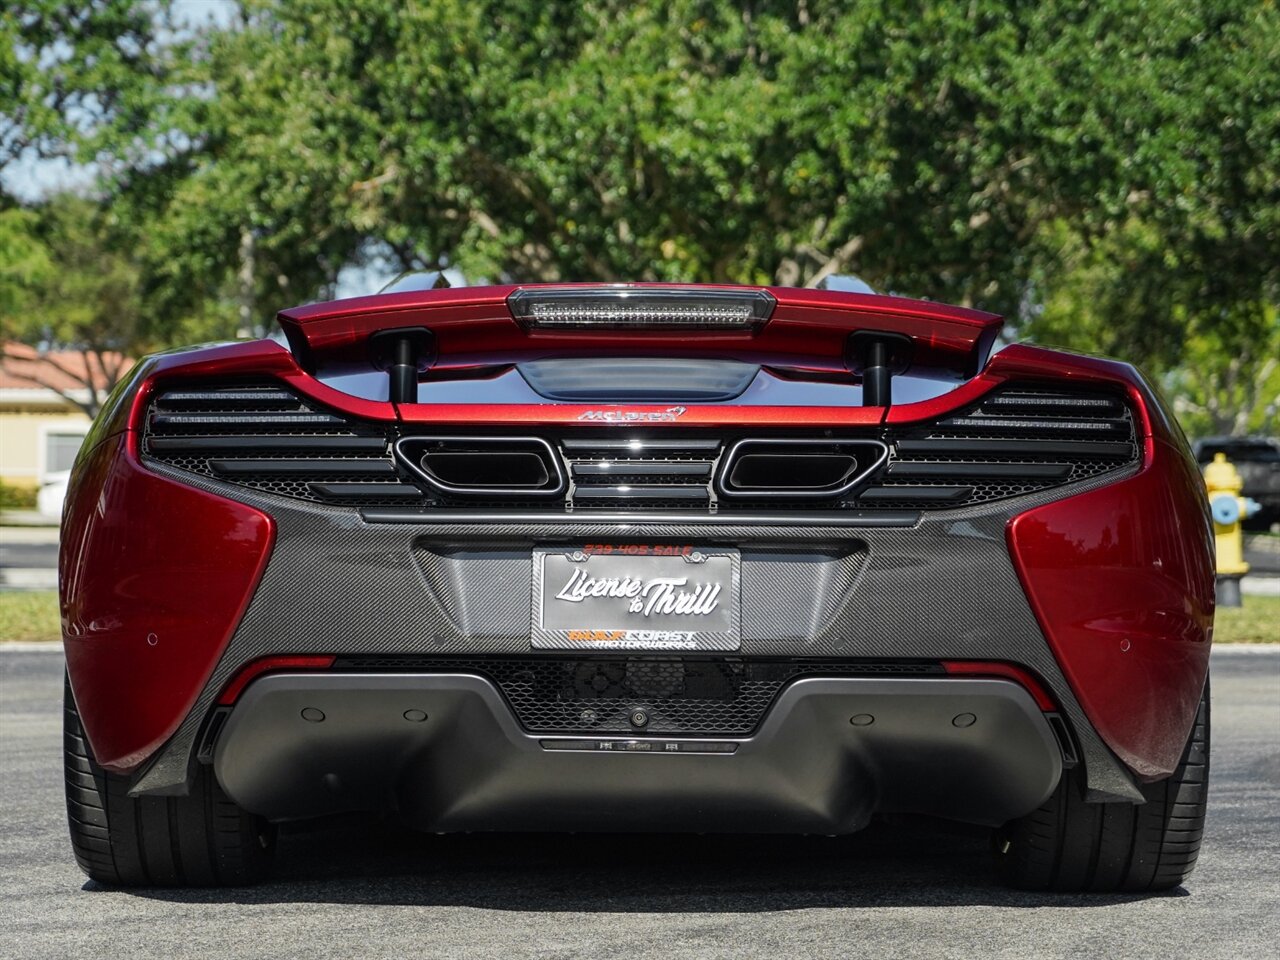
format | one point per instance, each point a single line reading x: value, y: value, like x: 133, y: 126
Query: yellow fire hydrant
x: 1228, y: 508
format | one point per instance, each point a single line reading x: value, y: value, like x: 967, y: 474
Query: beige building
x: 41, y: 427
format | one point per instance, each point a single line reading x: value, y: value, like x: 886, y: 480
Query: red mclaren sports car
x: 637, y: 557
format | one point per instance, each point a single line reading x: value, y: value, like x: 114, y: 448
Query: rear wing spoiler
x: 872, y: 336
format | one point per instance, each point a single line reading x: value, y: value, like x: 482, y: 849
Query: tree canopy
x: 1106, y: 174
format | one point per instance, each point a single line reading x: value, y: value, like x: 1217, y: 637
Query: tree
x: 993, y: 153
x: 1229, y: 378
x: 931, y: 148
x: 1129, y: 294
x: 1185, y: 278
x: 24, y: 259
x: 79, y: 76
x: 85, y: 297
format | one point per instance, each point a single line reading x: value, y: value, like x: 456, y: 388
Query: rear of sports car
x: 637, y: 558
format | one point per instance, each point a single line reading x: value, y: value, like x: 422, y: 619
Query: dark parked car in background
x: 1258, y: 461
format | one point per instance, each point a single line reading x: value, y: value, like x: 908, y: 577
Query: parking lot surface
x: 355, y: 888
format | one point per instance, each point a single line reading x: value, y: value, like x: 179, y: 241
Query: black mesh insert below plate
x: 681, y: 696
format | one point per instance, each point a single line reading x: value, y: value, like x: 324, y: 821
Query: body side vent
x: 265, y: 437
x: 1015, y: 442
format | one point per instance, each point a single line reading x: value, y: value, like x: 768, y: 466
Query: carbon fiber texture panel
x: 482, y: 592
x: 942, y: 590
x: 471, y: 589
x: 772, y: 579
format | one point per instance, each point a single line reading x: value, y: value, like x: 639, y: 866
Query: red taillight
x: 251, y: 671
x: 1024, y: 678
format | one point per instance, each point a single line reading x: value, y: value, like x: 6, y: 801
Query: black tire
x: 1069, y: 845
x: 200, y: 840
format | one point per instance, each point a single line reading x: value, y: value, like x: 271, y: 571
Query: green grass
x: 34, y: 616
x: 29, y: 615
x: 1258, y: 621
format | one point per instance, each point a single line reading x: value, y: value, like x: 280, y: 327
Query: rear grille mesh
x: 682, y: 697
x: 657, y: 474
x: 262, y: 436
x: 1014, y: 442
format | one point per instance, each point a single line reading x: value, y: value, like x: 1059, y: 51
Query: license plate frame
x: 642, y: 606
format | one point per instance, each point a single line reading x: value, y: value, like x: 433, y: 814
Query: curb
x: 28, y: 518
x: 1260, y: 586
x: 28, y: 578
x: 30, y: 535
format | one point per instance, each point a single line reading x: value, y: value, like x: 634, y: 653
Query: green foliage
x: 1228, y: 380
x: 17, y: 498
x: 1105, y: 173
x: 24, y: 258
x: 1129, y: 294
x: 77, y: 76
x: 74, y: 283
x: 89, y: 289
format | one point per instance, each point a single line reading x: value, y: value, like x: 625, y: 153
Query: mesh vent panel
x: 1015, y: 442
x: 682, y: 697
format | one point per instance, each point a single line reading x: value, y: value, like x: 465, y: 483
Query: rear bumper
x: 470, y: 766
x: 844, y: 591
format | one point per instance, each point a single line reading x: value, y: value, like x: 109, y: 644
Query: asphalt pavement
x: 28, y: 558
x: 356, y: 888
x: 1262, y: 553
x: 29, y: 554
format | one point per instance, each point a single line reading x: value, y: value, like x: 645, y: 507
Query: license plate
x: 635, y: 597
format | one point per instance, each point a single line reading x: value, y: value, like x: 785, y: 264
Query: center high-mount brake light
x: 549, y: 308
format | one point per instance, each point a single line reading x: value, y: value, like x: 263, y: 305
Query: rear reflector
x: 257, y: 668
x: 632, y: 307
x: 982, y: 668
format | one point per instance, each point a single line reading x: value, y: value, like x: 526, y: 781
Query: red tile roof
x: 21, y: 369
